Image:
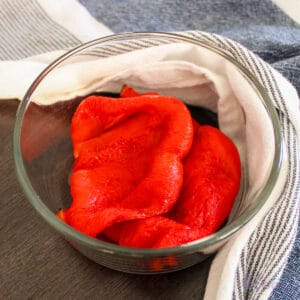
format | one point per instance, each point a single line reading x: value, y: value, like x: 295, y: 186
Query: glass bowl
x: 43, y: 149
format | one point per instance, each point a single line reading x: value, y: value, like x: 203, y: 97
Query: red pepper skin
x: 129, y: 156
x: 212, y: 172
x: 145, y: 175
x: 128, y: 91
x: 154, y: 232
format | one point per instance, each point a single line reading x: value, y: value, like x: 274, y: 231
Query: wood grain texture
x: 37, y: 263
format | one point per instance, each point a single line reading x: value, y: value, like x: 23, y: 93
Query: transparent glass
x: 43, y: 159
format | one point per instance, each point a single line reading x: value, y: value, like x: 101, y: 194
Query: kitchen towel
x: 249, y: 267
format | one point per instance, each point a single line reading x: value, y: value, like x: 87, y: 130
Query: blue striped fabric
x: 26, y: 30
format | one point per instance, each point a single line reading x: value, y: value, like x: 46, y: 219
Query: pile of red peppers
x: 146, y: 174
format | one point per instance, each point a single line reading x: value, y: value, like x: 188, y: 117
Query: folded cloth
x: 250, y: 265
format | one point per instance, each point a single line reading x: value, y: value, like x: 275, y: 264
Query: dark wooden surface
x: 37, y: 263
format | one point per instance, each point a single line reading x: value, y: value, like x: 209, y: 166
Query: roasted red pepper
x: 146, y: 175
x: 211, y: 182
x: 128, y: 159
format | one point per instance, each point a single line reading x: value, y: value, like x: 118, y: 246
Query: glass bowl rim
x: 195, y: 246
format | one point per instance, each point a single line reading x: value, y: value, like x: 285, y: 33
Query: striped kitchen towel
x: 35, y: 32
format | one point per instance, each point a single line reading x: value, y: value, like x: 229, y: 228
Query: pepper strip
x: 212, y: 174
x: 129, y: 156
